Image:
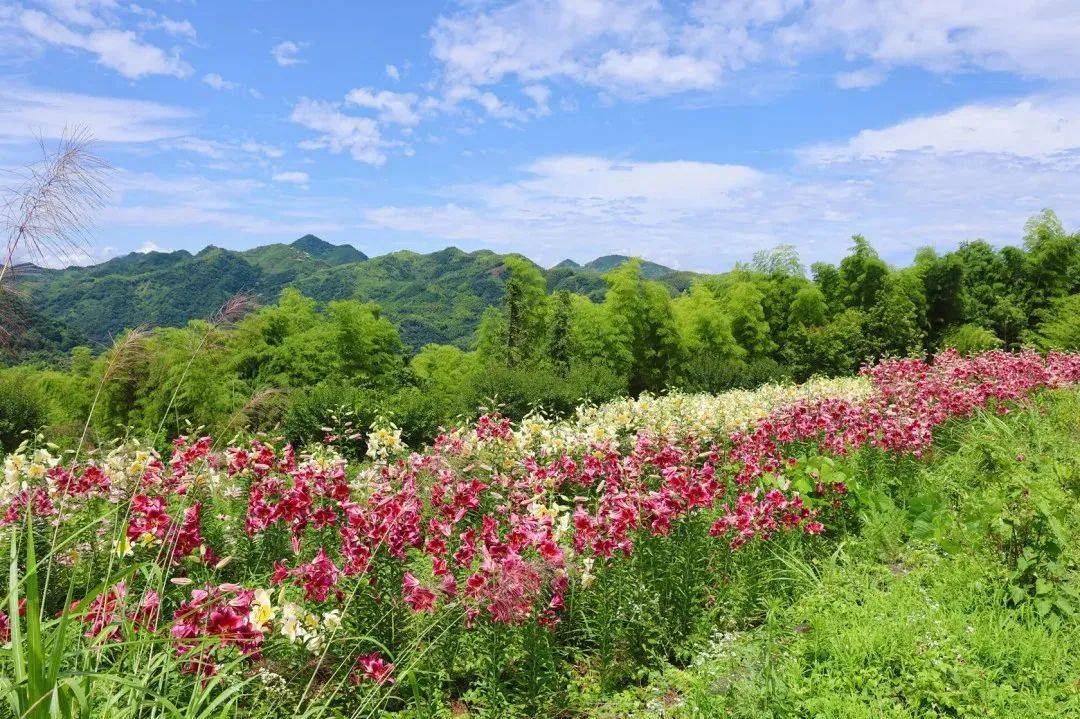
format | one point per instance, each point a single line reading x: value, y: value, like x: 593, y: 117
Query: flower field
x: 500, y: 569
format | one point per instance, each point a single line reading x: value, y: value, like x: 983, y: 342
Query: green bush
x: 1061, y: 330
x: 22, y: 410
x: 518, y: 391
x: 969, y: 339
x: 332, y: 409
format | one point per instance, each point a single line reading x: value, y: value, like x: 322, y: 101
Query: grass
x: 915, y: 615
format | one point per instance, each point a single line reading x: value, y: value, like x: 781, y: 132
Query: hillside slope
x: 435, y: 297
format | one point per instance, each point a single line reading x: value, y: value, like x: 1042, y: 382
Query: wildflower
x: 418, y: 597
x: 332, y: 619
x: 373, y: 668
x: 122, y: 546
x: 262, y: 611
x: 384, y: 440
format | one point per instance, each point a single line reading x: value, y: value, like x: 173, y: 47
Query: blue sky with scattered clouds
x: 692, y: 133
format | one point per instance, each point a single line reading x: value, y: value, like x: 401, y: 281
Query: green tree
x: 828, y: 280
x: 641, y: 313
x: 780, y: 261
x: 893, y: 323
x: 943, y: 283
x: 742, y: 303
x: 22, y: 409
x: 836, y: 348
x: 559, y: 340
x: 524, y: 312
x: 595, y: 340
x: 711, y: 356
x: 1061, y: 330
x: 808, y: 308
x: 862, y: 275
x: 368, y: 345
x: 82, y: 361
x: 1053, y: 258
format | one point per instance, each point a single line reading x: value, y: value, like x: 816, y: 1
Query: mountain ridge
x: 431, y: 297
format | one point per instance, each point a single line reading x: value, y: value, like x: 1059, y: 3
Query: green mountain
x: 435, y: 297
x: 331, y: 254
x: 649, y: 270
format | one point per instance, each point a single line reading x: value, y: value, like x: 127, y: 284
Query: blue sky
x: 692, y: 133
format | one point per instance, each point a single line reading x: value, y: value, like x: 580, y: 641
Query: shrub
x: 22, y: 410
x: 969, y: 339
x: 1061, y: 330
x: 521, y: 390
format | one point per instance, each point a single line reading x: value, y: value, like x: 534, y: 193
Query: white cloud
x: 28, y: 113
x: 217, y: 82
x: 120, y: 50
x: 258, y: 148
x: 707, y: 216
x: 219, y: 150
x: 496, y: 108
x: 584, y: 205
x: 1035, y: 127
x: 292, y: 178
x: 360, y: 136
x: 393, y: 73
x: 649, y: 48
x: 861, y: 79
x: 1036, y: 38
x: 393, y: 107
x: 540, y: 95
x: 619, y: 45
x: 662, y: 187
x: 178, y: 28
x: 87, y: 13
x: 148, y: 201
x: 653, y: 71
x: 286, y: 53
x: 149, y: 246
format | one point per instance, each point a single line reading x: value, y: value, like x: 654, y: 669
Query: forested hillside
x: 436, y: 297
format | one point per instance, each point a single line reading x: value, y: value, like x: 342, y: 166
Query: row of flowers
x: 494, y: 521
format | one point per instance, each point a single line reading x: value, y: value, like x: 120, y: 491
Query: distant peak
x: 320, y: 249
x: 649, y: 270
x: 311, y: 241
x: 567, y: 263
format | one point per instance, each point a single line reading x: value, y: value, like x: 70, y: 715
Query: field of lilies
x: 502, y: 571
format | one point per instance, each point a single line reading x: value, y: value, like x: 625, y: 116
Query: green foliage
x: 641, y: 313
x: 808, y: 308
x: 952, y: 592
x: 862, y: 275
x: 516, y: 333
x: 711, y: 355
x: 1053, y: 259
x: 943, y: 281
x: 743, y: 305
x: 368, y: 346
x: 781, y: 261
x: 969, y: 339
x: 22, y: 409
x: 839, y: 347
x: 1061, y: 330
x: 893, y: 323
x: 559, y: 349
x: 345, y: 320
x: 518, y: 391
x: 432, y: 298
